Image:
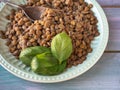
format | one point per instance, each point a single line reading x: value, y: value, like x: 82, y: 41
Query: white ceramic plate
x: 18, y: 69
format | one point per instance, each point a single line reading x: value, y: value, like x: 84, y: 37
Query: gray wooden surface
x: 105, y: 75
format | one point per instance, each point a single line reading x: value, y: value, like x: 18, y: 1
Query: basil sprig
x: 46, y: 61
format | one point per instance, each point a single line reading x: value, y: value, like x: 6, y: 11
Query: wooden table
x: 105, y: 75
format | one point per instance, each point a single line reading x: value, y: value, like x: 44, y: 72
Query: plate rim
x: 11, y: 69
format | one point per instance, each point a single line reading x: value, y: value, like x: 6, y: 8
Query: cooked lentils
x: 71, y: 16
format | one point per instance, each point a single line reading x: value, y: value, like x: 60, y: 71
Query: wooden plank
x: 105, y: 75
x: 113, y: 15
x: 110, y: 3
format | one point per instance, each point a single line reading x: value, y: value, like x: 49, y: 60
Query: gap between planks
x: 111, y: 6
x: 112, y: 51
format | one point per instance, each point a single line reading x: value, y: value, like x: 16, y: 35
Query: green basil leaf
x: 57, y: 69
x: 61, y: 46
x: 45, y: 70
x: 45, y: 60
x: 27, y: 54
x: 52, y: 70
x: 62, y: 67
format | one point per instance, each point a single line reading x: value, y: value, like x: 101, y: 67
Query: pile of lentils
x: 74, y: 17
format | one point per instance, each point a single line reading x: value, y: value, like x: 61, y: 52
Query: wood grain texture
x: 113, y: 15
x: 105, y: 75
x: 109, y: 3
